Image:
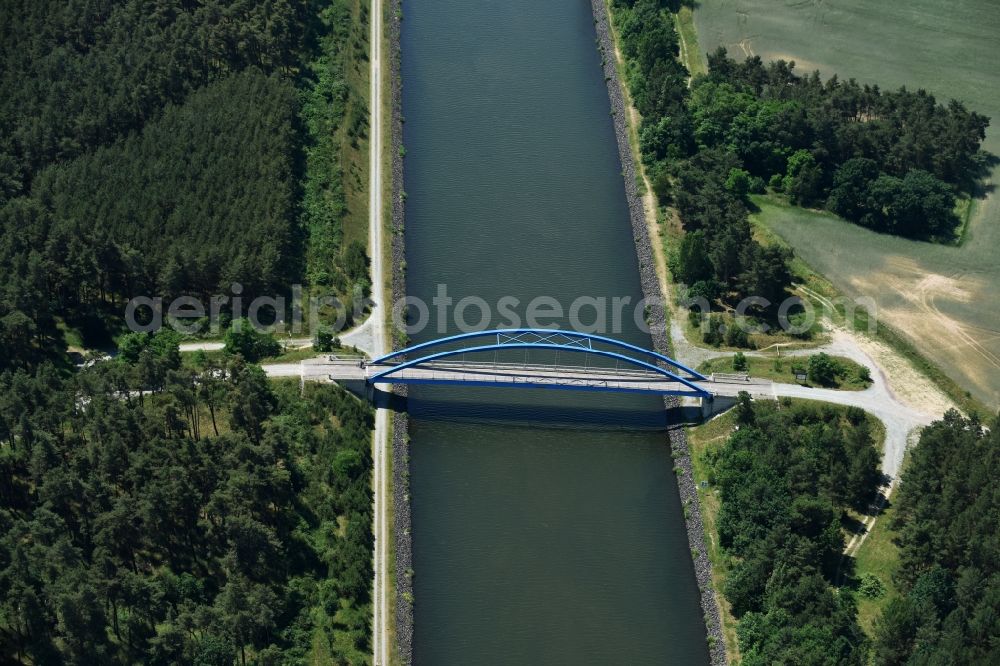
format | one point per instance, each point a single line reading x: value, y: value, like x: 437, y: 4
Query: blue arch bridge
x: 542, y: 359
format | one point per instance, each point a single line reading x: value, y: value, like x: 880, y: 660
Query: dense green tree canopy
x: 78, y: 74
x: 892, y: 161
x: 253, y: 345
x: 153, y: 511
x: 784, y: 477
x: 169, y: 148
x: 948, y: 520
x: 211, y: 517
x: 707, y: 185
x: 202, y: 197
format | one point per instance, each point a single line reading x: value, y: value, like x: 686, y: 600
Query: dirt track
x: 902, y: 398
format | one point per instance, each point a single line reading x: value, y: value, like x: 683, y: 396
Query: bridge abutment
x: 715, y: 405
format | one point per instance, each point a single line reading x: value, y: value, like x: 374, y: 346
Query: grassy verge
x: 386, y: 159
x: 72, y: 336
x: 702, y: 440
x: 194, y: 359
x: 782, y: 369
x: 657, y: 219
x: 964, y: 207
x: 296, y: 355
x: 390, y: 579
x: 633, y: 119
x: 384, y: 292
x: 769, y: 340
x: 878, y: 556
x: 691, y: 54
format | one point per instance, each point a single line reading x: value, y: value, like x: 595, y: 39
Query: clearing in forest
x: 944, y: 299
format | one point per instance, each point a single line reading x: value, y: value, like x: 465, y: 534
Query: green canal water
x: 546, y: 525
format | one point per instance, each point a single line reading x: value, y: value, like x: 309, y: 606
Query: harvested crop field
x: 946, y: 300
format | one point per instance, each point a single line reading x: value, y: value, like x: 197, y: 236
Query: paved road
x: 901, y: 421
x: 380, y: 624
x: 542, y: 376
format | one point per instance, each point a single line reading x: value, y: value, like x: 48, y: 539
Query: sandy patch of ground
x: 907, y: 383
x: 904, y: 381
x: 917, y: 312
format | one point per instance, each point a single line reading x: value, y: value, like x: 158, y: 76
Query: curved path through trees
x: 902, y: 398
x: 900, y: 418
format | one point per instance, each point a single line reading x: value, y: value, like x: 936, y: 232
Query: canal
x: 546, y: 525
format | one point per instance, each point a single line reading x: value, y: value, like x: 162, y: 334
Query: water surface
x: 547, y: 527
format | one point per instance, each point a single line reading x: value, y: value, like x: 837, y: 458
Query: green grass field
x: 878, y: 556
x: 691, y: 52
x: 943, y: 299
x: 780, y: 370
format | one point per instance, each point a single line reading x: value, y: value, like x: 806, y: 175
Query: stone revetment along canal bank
x: 547, y: 527
x: 661, y: 336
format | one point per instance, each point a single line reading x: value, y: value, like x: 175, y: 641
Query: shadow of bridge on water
x: 535, y: 414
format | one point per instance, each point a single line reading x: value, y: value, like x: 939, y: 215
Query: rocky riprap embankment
x: 402, y: 540
x: 661, y: 339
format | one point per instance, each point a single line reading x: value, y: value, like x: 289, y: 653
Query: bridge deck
x: 540, y: 376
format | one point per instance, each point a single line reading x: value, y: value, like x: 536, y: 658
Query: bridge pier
x: 706, y: 407
x: 358, y: 387
x: 380, y: 398
x: 715, y: 405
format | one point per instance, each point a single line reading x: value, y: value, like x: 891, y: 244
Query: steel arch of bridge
x: 535, y: 338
